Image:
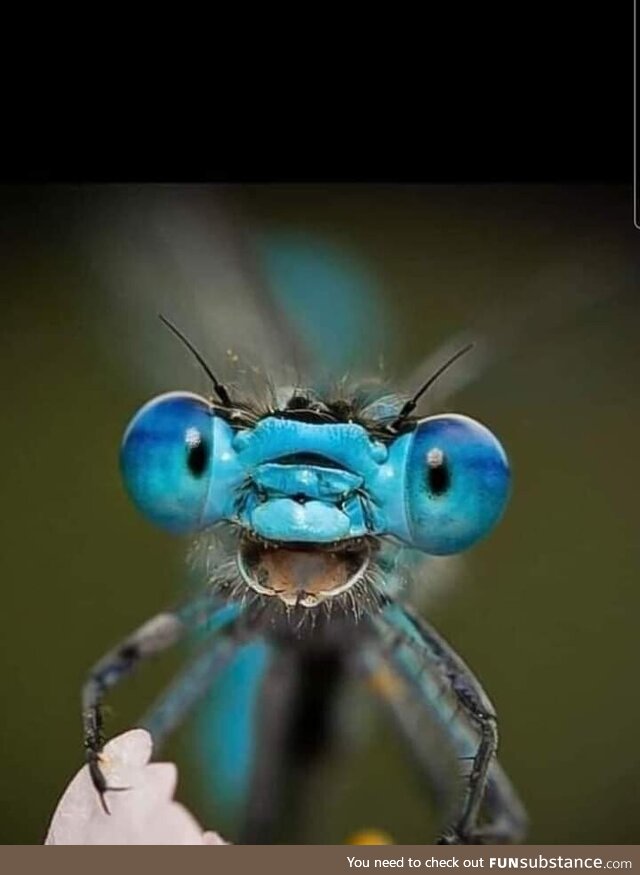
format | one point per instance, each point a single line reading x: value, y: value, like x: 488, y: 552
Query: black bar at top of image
x: 546, y: 97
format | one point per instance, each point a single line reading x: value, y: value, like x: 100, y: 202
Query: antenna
x: 410, y: 405
x: 219, y: 389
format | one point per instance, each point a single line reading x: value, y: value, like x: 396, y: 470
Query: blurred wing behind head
x: 259, y: 306
x: 332, y: 299
x: 542, y: 315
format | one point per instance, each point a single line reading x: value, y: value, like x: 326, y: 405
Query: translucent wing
x: 333, y: 299
x: 226, y: 737
x: 258, y: 303
x: 174, y: 251
x: 535, y: 318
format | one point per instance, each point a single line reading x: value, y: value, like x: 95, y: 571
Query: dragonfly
x: 315, y: 504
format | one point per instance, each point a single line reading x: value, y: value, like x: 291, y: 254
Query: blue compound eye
x: 166, y: 460
x: 457, y: 484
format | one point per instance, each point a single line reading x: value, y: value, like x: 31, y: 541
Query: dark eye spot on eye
x: 439, y: 480
x: 197, y: 455
x: 438, y: 476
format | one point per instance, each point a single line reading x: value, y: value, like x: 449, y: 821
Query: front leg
x: 431, y: 676
x: 153, y: 637
x: 480, y: 712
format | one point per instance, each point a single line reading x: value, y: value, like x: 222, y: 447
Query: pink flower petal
x: 143, y: 814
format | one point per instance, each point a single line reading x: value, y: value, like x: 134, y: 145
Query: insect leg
x: 447, y: 688
x: 506, y: 815
x: 154, y: 636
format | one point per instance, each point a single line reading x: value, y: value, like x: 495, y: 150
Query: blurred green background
x: 545, y: 611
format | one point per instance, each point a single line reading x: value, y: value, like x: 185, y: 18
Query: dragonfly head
x: 310, y: 490
x: 303, y: 506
